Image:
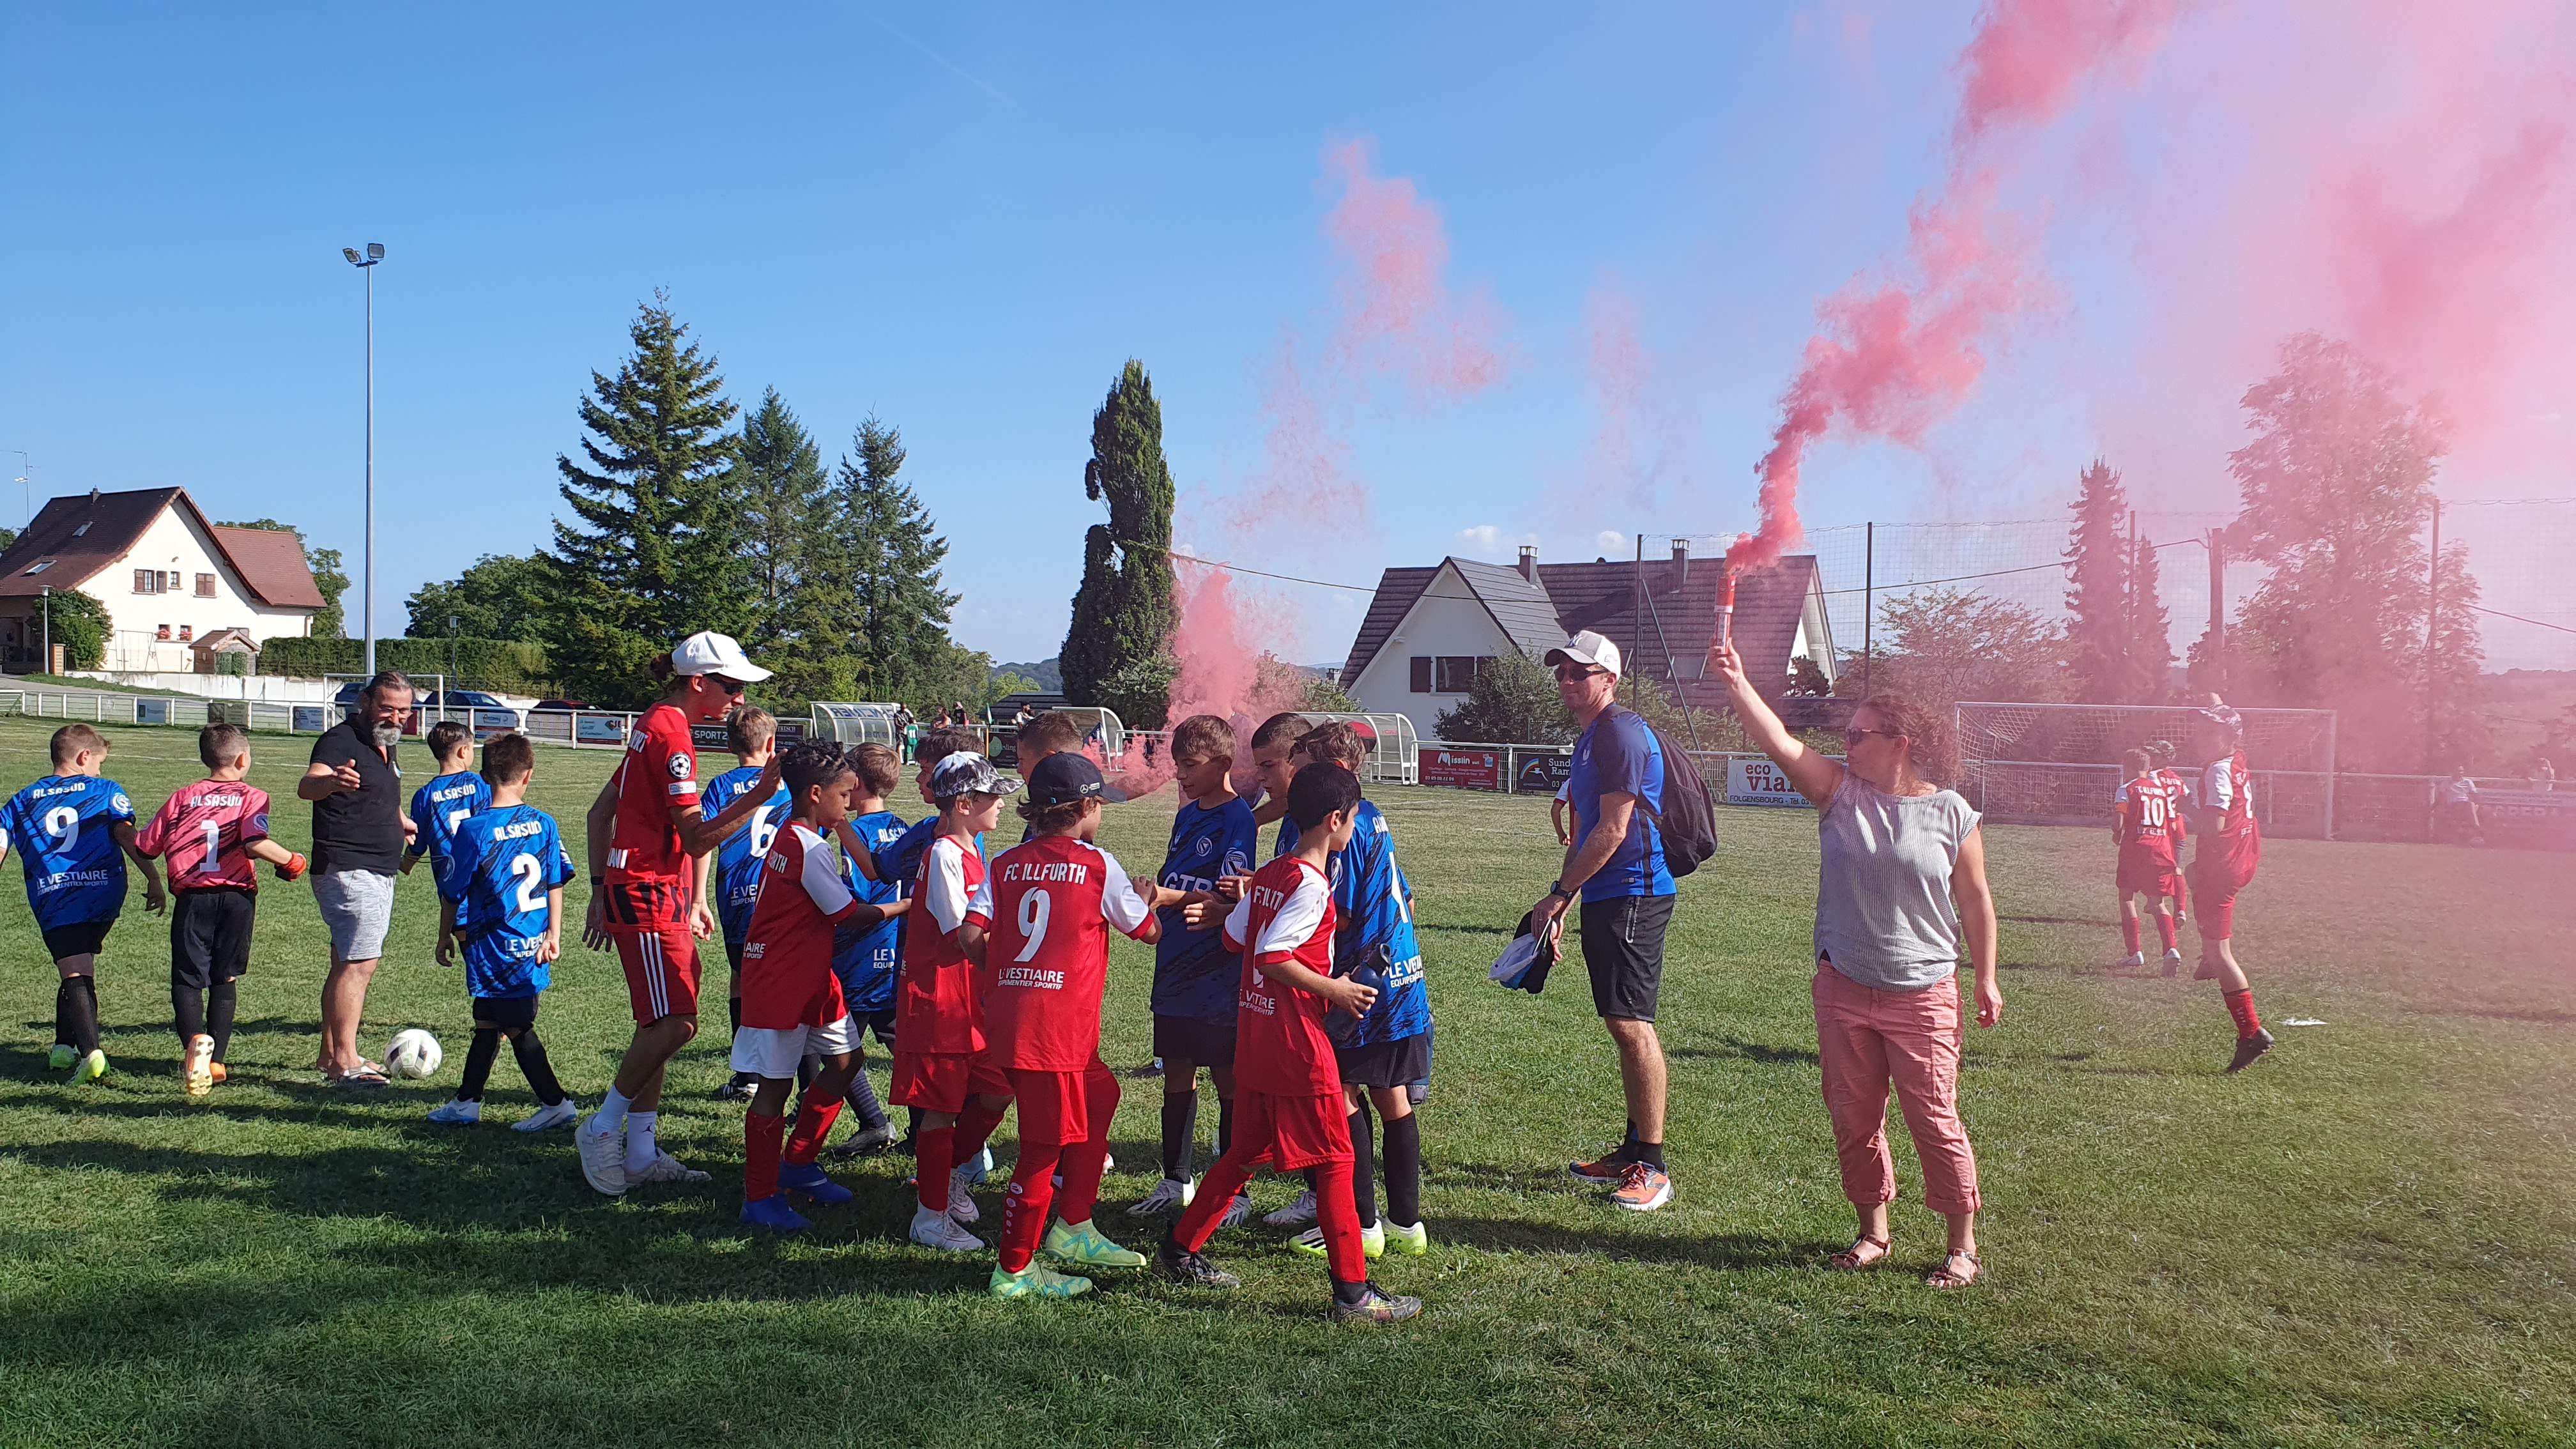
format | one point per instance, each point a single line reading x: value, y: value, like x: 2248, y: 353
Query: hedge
x: 506, y: 666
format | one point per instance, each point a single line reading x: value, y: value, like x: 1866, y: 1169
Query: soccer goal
x: 2058, y: 764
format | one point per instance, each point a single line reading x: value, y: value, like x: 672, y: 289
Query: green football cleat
x: 92, y: 1067
x: 63, y: 1057
x: 1412, y: 1242
x: 1036, y: 1282
x: 1082, y: 1244
x: 1372, y: 1241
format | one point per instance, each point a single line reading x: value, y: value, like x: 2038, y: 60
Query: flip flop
x: 359, y: 1080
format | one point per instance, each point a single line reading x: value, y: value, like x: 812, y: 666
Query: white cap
x: 706, y: 652
x: 1587, y: 648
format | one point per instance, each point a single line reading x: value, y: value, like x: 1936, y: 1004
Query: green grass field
x: 2363, y: 1240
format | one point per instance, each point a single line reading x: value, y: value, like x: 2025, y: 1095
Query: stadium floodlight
x: 375, y: 251
x: 367, y: 569
x: 352, y: 254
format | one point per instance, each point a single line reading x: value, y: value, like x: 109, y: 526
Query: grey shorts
x: 358, y: 906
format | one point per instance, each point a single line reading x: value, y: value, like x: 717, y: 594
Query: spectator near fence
x: 1901, y: 878
x: 1616, y: 866
x: 2455, y: 804
x: 358, y: 834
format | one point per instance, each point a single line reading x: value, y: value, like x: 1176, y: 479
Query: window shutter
x: 143, y: 580
x: 1422, y: 674
x: 205, y: 586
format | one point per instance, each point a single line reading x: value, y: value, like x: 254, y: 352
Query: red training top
x: 787, y: 977
x: 1279, y: 1044
x: 660, y: 771
x: 205, y: 829
x: 2227, y: 786
x: 1048, y: 906
x: 935, y: 1009
x: 2155, y: 803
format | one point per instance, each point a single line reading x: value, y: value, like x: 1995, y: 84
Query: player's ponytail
x: 660, y: 667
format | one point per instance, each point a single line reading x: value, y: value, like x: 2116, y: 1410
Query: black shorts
x: 81, y: 938
x: 880, y: 1022
x: 210, y: 935
x: 1188, y: 1039
x: 510, y: 1013
x: 1398, y: 1063
x: 733, y: 953
x: 1623, y: 948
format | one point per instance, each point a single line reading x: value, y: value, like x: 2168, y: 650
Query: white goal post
x: 2058, y: 764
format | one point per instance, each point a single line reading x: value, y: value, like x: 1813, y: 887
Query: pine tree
x: 2149, y: 655
x: 2099, y: 629
x: 652, y: 556
x: 777, y: 489
x: 1117, y: 652
x: 902, y: 615
x: 328, y: 579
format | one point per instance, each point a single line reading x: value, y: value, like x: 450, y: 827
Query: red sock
x: 813, y: 1123
x: 2129, y: 932
x: 1218, y: 1188
x: 2164, y: 930
x: 1083, y: 1162
x: 1024, y: 1210
x: 974, y: 1128
x: 931, y: 1154
x: 2240, y: 1004
x: 761, y: 1135
x: 1339, y: 1216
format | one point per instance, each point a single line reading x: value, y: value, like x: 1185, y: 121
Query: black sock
x: 806, y: 1069
x: 733, y: 1015
x: 533, y: 1065
x: 478, y: 1063
x: 220, y: 1000
x: 911, y: 1127
x: 1404, y: 1169
x: 1224, y: 1125
x: 76, y: 1014
x: 1363, y: 1167
x: 1180, y: 1132
x: 1347, y: 1294
x: 187, y: 1012
x: 1649, y: 1153
x: 862, y: 1098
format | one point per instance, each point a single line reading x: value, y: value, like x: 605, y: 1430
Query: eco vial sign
x: 1759, y: 782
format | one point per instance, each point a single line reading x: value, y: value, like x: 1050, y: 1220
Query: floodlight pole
x: 46, y: 592
x: 367, y: 564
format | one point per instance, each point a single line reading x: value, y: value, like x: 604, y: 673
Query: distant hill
x: 1048, y: 675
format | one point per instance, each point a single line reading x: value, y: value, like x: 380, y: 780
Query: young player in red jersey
x: 940, y: 1065
x: 211, y: 831
x: 1039, y: 926
x: 2179, y: 895
x: 791, y: 1000
x: 2144, y: 810
x: 1288, y: 1088
x: 2231, y: 845
x: 643, y: 829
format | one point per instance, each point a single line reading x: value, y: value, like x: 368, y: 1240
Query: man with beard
x: 358, y: 835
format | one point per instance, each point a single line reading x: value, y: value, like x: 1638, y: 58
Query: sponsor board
x: 310, y: 718
x: 599, y: 729
x: 1543, y: 774
x: 1759, y: 782
x: 1463, y: 769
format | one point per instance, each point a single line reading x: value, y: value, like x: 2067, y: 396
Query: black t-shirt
x: 358, y: 829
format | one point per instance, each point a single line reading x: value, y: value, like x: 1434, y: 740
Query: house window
x: 147, y: 581
x: 1421, y: 674
x: 205, y: 586
x: 187, y: 633
x: 77, y: 532
x: 41, y: 566
x: 1456, y: 673
x: 161, y: 631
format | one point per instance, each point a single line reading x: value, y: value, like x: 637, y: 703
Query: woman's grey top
x: 1883, y: 911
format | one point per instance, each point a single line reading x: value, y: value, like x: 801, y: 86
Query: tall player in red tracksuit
x: 1289, y: 1110
x: 2231, y: 845
x: 643, y: 830
x: 2145, y: 810
x: 1039, y: 926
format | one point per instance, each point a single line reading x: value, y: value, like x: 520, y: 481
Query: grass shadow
x: 1728, y: 1252
x: 1734, y: 1049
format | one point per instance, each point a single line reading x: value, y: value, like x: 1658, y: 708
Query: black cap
x: 1065, y: 777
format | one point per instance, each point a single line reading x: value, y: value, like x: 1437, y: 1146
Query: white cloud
x: 1611, y: 542
x: 1488, y: 542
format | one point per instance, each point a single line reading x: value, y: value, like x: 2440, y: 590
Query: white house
x: 1429, y: 629
x: 167, y: 576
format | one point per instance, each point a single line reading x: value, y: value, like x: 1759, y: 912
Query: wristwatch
x: 1557, y: 888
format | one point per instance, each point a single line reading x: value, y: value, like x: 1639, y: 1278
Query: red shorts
x: 661, y: 970
x: 2223, y: 866
x: 942, y: 1081
x: 2148, y: 865
x: 1292, y: 1132
x: 1056, y: 1107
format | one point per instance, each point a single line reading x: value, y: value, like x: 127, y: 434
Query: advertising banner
x: 1759, y: 782
x: 1463, y: 769
x: 1543, y: 774
x: 599, y: 729
x: 308, y: 719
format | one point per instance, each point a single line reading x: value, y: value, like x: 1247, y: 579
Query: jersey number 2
x: 530, y: 876
x: 1034, y: 908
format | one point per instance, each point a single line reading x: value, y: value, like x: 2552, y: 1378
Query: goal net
x: 2058, y: 764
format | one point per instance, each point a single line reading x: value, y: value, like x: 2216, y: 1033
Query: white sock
x: 612, y: 1112
x: 639, y: 1140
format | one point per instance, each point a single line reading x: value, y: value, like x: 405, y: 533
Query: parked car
x: 558, y: 706
x: 486, y: 713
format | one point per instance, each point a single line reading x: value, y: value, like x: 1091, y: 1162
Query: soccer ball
x: 412, y: 1053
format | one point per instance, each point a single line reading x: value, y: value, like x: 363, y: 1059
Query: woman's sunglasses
x: 1852, y: 737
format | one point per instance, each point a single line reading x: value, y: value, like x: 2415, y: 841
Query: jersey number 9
x: 1034, y: 907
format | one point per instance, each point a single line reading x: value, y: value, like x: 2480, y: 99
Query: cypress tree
x: 1117, y: 651
x: 2097, y: 596
x: 2149, y: 655
x: 652, y: 555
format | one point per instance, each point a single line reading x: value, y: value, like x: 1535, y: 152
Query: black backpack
x: 1689, y: 817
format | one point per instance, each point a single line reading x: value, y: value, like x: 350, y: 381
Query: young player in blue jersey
x: 1387, y: 1051
x: 865, y: 956
x: 730, y: 875
x: 74, y: 831
x: 437, y: 808
x: 1195, y: 977
x: 511, y: 862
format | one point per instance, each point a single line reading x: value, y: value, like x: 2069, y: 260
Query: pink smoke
x: 1396, y: 312
x: 1892, y: 356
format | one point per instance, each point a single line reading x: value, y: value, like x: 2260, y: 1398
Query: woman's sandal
x: 1943, y: 1277
x: 1849, y: 1259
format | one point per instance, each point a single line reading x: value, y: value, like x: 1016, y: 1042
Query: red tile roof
x: 77, y: 536
x: 271, y: 565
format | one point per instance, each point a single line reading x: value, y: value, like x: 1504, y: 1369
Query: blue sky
x: 962, y: 221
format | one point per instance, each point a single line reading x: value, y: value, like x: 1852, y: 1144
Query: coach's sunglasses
x: 1568, y: 673
x: 729, y: 686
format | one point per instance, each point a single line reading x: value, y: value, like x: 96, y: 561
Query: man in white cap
x: 1616, y: 868
x: 644, y: 830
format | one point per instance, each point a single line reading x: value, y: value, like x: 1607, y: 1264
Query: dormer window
x: 42, y: 564
x: 77, y: 532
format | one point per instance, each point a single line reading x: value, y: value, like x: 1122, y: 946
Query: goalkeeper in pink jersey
x: 210, y: 831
